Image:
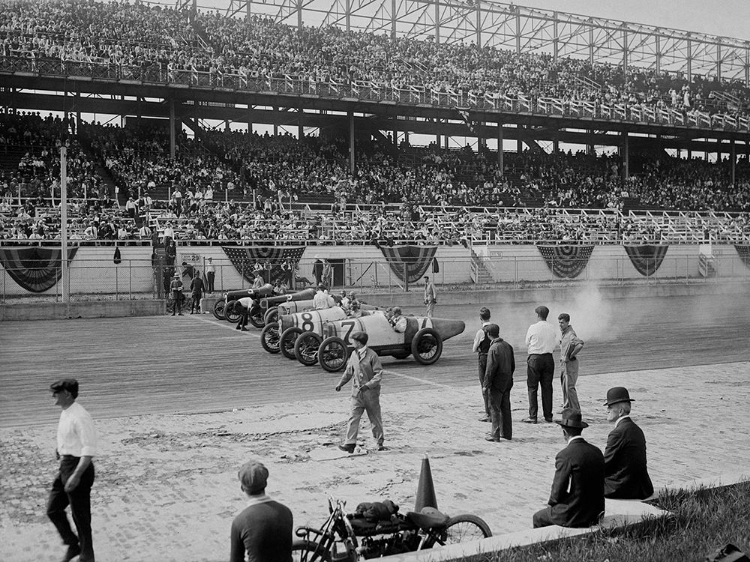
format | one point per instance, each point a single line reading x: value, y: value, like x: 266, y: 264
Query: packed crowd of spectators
x: 171, y: 41
x: 281, y: 169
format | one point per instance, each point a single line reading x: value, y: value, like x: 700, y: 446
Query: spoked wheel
x: 287, y: 340
x: 257, y: 319
x: 333, y: 354
x: 219, y: 309
x: 271, y: 315
x: 427, y: 346
x: 230, y: 312
x: 306, y: 348
x: 308, y: 551
x: 269, y: 338
x: 466, y: 528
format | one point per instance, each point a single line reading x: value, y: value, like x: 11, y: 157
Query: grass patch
x: 702, y: 520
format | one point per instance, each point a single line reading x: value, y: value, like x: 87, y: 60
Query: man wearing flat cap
x: 625, y: 471
x: 76, y: 447
x: 577, y: 498
x: 263, y: 531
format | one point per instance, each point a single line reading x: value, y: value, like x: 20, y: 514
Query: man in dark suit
x: 498, y: 380
x: 263, y: 530
x: 577, y: 498
x: 625, y: 472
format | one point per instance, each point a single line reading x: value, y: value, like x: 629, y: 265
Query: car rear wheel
x: 401, y: 354
x: 257, y: 319
x: 219, y: 309
x: 333, y: 354
x: 230, y: 312
x: 271, y: 315
x: 269, y: 337
x: 287, y: 340
x: 427, y: 346
x: 306, y: 348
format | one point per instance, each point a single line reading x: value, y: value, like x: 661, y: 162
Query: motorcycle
x: 346, y: 537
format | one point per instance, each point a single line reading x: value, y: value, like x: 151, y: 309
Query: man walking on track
x: 498, y: 381
x: 481, y: 346
x: 570, y: 345
x: 541, y: 339
x: 76, y: 447
x: 366, y: 372
x: 430, y: 296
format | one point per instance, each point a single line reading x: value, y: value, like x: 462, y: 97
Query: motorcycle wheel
x: 309, y: 551
x: 466, y: 528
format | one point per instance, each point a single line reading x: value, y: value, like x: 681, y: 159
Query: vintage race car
x: 280, y: 336
x: 290, y: 307
x: 423, y: 339
x: 271, y: 302
x: 220, y: 306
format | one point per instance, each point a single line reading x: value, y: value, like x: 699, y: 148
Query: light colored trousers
x: 369, y: 402
x: 568, y: 380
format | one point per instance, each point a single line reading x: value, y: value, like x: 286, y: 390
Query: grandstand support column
x: 172, y: 127
x: 500, y: 152
x: 733, y: 156
x: 437, y: 22
x: 590, y: 150
x: 625, y: 155
x: 519, y: 142
x: 352, y: 163
x: 275, y: 121
x: 64, y: 227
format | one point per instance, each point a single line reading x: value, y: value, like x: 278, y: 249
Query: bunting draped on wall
x: 647, y: 259
x: 244, y: 259
x: 566, y: 261
x: 744, y: 253
x: 409, y: 263
x: 35, y: 269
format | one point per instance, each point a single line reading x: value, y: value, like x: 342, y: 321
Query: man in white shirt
x: 541, y: 339
x: 76, y: 447
x: 322, y: 299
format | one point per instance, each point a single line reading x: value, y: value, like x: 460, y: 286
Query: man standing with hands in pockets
x: 365, y: 372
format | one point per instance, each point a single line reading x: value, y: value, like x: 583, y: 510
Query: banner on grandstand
x: 271, y: 262
x: 647, y: 259
x: 744, y: 253
x: 409, y: 263
x: 566, y: 261
x: 35, y: 269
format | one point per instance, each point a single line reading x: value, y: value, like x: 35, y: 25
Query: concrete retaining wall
x: 89, y: 309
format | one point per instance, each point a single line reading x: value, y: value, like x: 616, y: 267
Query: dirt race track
x: 181, y: 402
x: 190, y: 364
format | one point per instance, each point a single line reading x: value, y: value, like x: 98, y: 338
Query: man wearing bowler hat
x: 625, y: 472
x: 263, y: 531
x: 577, y: 498
x: 76, y: 447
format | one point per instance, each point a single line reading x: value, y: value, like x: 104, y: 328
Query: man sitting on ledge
x: 577, y: 498
x: 626, y: 474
